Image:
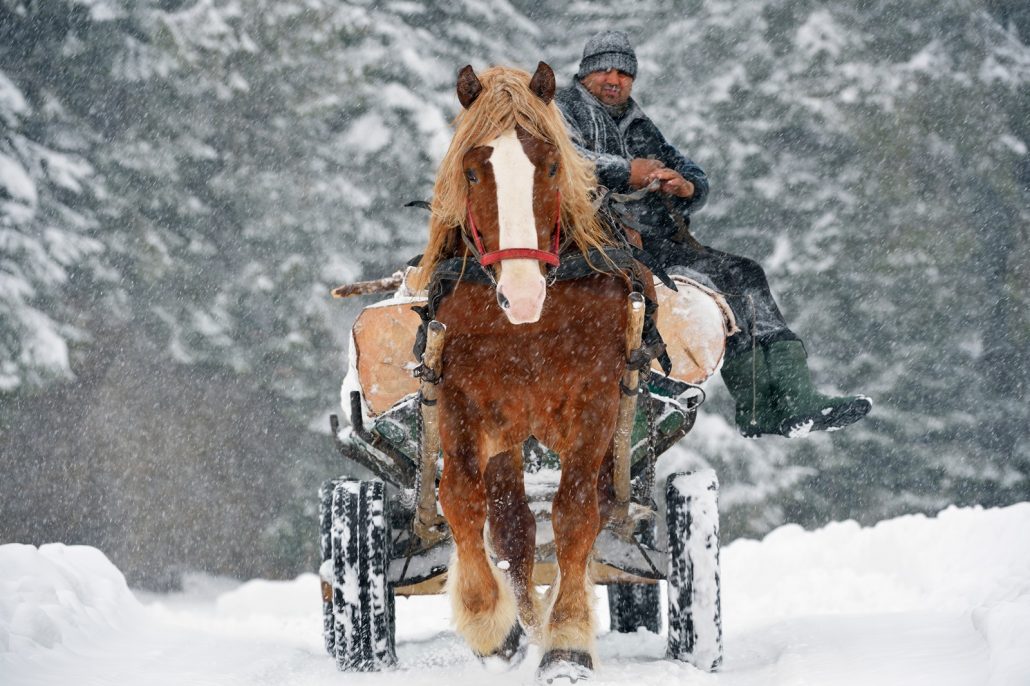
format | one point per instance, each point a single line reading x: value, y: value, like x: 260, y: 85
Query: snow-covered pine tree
x: 48, y: 200
x: 215, y: 167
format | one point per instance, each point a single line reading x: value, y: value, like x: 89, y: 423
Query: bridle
x: 487, y: 258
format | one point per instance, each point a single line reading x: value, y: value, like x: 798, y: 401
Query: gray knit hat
x: 608, y: 50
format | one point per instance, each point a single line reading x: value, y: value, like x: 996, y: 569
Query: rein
x: 487, y: 258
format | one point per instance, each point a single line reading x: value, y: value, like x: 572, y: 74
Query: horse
x: 523, y: 357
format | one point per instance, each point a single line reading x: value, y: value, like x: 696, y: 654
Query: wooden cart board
x: 544, y: 574
x: 383, y: 336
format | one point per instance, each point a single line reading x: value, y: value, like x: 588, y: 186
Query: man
x: 765, y: 367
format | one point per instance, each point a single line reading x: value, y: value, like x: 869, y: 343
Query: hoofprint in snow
x: 914, y: 600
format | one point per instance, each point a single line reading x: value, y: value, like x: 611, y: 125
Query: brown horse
x: 523, y: 358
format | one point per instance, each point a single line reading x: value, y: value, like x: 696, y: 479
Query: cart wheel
x: 635, y: 605
x: 325, y: 546
x: 360, y: 608
x: 632, y: 606
x: 695, y: 621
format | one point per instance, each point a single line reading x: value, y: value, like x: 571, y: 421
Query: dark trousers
x: 740, y: 280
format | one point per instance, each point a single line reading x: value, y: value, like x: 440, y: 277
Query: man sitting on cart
x: 765, y: 366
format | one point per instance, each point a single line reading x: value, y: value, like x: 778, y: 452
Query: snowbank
x: 962, y: 559
x: 255, y: 610
x: 970, y: 563
x: 941, y: 601
x: 59, y: 597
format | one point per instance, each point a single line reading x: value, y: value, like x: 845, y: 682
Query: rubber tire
x: 695, y: 619
x: 632, y: 606
x: 362, y: 598
x: 325, y: 520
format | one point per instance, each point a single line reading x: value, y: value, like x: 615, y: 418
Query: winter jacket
x: 610, y: 145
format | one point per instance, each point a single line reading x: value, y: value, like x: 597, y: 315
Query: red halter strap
x: 488, y: 258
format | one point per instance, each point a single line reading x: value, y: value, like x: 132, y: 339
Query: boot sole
x: 829, y: 419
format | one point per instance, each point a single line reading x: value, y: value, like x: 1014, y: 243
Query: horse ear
x: 543, y: 83
x: 469, y: 86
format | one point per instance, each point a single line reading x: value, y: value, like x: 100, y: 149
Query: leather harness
x: 487, y: 258
x: 573, y: 265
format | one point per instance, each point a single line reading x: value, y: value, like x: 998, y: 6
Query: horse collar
x: 488, y: 258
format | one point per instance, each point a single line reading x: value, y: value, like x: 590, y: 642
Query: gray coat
x: 610, y: 145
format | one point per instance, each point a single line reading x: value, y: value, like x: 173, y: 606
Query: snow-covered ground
x: 938, y: 601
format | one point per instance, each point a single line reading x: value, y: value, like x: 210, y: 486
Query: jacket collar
x: 632, y: 114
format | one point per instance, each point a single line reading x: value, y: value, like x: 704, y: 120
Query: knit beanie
x: 608, y: 50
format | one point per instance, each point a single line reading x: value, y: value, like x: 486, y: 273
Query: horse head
x: 514, y: 204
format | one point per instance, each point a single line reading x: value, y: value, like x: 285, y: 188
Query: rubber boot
x: 802, y: 408
x: 747, y: 377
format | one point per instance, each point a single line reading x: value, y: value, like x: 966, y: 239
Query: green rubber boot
x: 802, y: 408
x: 747, y: 377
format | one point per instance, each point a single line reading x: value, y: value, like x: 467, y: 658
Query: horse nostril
x: 502, y: 301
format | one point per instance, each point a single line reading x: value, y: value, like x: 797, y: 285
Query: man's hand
x: 641, y: 171
x: 672, y: 183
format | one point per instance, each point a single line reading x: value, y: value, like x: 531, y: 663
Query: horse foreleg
x: 576, y: 518
x: 513, y: 531
x: 606, y: 488
x: 482, y: 604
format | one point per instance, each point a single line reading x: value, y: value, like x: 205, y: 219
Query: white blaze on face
x: 520, y: 281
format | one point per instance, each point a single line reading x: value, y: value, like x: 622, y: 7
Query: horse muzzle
x: 521, y: 291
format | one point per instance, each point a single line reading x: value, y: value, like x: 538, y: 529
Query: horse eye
x: 553, y: 170
x: 470, y: 174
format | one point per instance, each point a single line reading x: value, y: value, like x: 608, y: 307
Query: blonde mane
x: 507, y: 101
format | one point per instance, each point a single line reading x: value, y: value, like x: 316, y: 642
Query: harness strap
x: 520, y: 253
x: 575, y: 266
x: 487, y: 258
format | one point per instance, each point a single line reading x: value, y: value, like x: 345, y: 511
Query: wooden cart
x: 375, y: 545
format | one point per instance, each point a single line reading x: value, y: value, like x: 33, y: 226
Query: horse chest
x: 579, y: 336
x: 504, y: 382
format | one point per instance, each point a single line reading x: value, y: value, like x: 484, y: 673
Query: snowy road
x: 942, y: 601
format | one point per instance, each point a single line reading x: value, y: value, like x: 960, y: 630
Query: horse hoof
x: 559, y: 667
x: 510, y: 653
